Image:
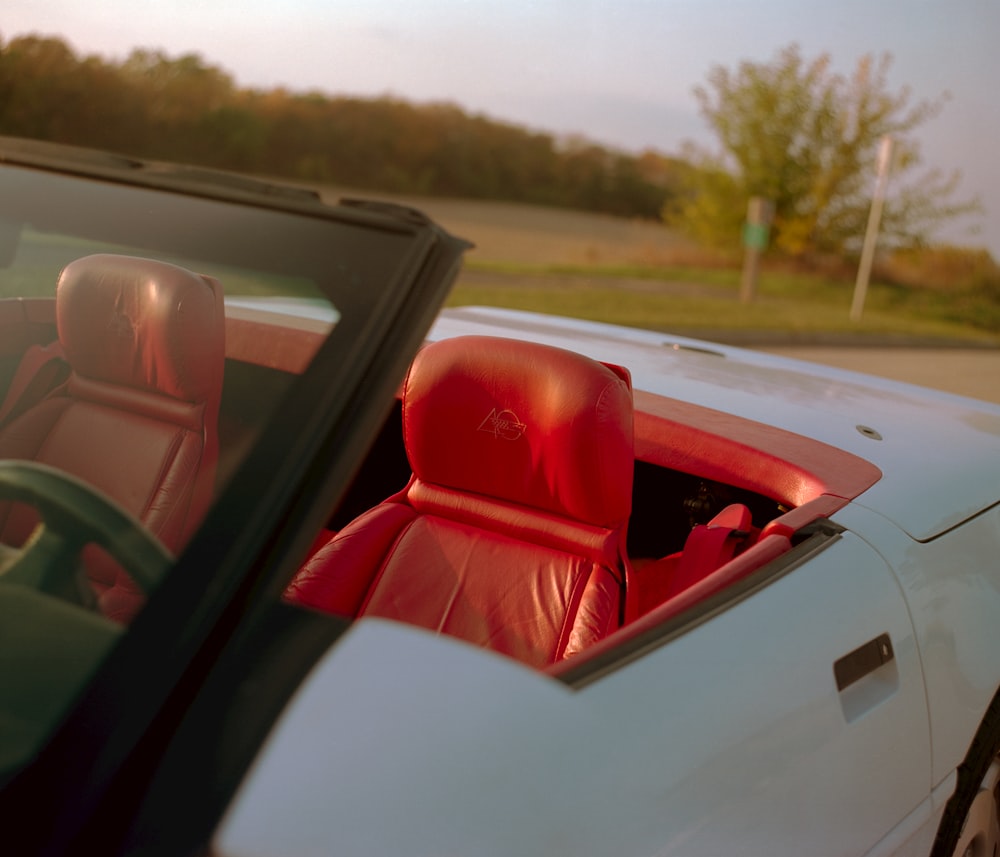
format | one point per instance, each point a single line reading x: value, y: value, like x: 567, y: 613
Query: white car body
x: 731, y: 737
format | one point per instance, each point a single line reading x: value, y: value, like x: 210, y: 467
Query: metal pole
x: 751, y: 271
x: 871, y: 234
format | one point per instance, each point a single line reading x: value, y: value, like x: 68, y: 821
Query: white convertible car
x: 370, y: 580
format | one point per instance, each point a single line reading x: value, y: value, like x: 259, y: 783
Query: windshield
x: 152, y: 331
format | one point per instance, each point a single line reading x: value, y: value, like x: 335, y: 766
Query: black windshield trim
x: 305, y: 458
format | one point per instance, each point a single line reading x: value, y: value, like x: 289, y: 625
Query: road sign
x: 756, y: 231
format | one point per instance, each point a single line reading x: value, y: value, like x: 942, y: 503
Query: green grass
x: 677, y: 298
x: 686, y: 298
x: 672, y: 273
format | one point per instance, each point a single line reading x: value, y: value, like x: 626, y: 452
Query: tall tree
x: 805, y: 138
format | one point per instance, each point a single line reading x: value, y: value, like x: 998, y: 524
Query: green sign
x: 755, y: 235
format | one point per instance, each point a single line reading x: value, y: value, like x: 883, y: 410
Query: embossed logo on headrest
x: 503, y: 425
x: 119, y: 324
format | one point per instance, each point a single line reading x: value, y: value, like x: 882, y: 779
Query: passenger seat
x: 510, y: 533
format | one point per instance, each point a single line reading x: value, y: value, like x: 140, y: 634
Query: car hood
x: 937, y: 451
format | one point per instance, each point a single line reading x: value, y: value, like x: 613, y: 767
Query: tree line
x: 185, y: 109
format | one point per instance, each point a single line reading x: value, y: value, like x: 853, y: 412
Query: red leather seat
x: 707, y: 548
x: 137, y: 418
x: 510, y: 533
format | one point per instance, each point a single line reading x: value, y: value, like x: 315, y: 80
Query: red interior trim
x: 787, y: 467
x: 736, y: 569
x: 281, y: 342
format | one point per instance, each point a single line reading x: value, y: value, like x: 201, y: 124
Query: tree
x: 806, y: 138
x: 187, y: 109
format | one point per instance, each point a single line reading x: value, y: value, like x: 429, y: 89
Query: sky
x: 620, y: 72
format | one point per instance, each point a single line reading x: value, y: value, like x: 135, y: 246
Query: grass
x: 642, y: 274
x: 637, y: 274
x: 684, y: 298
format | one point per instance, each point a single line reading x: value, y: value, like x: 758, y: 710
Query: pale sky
x: 620, y: 72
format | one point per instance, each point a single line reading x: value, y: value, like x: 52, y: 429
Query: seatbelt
x: 41, y: 370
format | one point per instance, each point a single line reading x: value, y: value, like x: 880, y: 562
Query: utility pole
x: 871, y: 235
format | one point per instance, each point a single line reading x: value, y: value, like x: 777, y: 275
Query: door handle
x: 865, y: 659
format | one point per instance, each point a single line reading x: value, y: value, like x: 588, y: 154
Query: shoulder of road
x: 833, y: 339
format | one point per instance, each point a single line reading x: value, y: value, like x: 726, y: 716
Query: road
x: 968, y: 372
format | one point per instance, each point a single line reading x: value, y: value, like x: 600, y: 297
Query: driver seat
x: 511, y: 531
x: 137, y: 417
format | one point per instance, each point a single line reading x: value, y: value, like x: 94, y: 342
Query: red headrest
x: 524, y: 423
x: 142, y: 323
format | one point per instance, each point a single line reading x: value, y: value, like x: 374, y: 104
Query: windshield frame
x: 120, y: 728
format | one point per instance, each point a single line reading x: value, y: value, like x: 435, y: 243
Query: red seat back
x: 137, y: 418
x: 707, y: 548
x: 511, y: 531
x: 710, y: 546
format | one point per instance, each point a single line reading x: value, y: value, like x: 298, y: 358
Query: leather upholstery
x: 137, y: 417
x: 510, y: 533
x: 707, y: 548
x: 710, y: 546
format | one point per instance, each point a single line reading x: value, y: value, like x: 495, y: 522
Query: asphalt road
x: 972, y: 372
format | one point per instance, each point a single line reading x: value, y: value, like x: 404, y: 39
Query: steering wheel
x: 72, y: 515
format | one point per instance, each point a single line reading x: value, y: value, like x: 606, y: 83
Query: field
x: 513, y: 235
x: 641, y: 274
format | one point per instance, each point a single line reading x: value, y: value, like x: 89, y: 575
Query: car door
x: 729, y: 736
x: 794, y: 721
